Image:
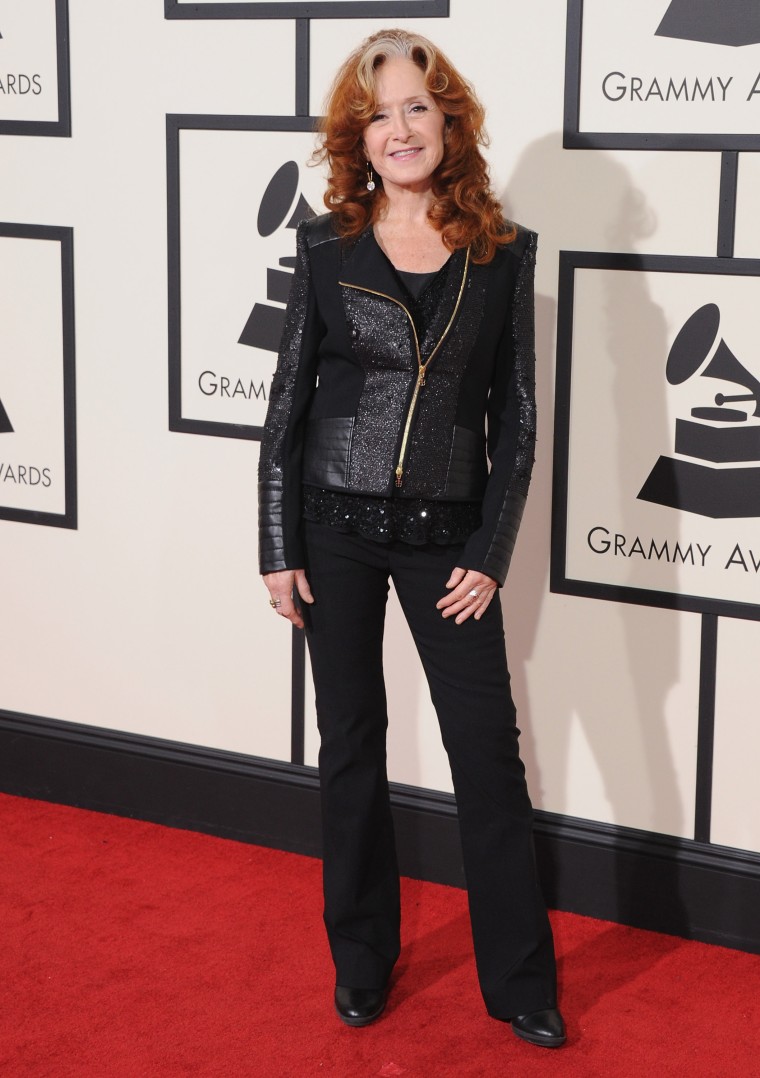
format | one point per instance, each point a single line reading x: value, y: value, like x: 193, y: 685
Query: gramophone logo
x: 717, y: 22
x: 716, y: 469
x: 232, y: 233
x: 281, y: 206
x: 6, y: 427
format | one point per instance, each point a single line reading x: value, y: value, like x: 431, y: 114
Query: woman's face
x: 404, y: 139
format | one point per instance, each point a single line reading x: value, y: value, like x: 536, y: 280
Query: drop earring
x: 370, y: 178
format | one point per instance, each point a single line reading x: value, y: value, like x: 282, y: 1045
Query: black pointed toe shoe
x: 359, y: 1006
x: 544, y: 1028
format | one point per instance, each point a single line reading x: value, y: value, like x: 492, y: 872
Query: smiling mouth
x: 404, y: 154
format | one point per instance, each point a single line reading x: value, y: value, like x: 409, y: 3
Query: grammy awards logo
x: 727, y: 22
x: 281, y: 206
x: 721, y: 477
x: 18, y: 84
x: 6, y: 427
x: 683, y: 74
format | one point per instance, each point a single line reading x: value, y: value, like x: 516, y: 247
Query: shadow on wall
x: 606, y: 678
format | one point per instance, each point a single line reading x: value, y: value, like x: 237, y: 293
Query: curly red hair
x: 464, y: 210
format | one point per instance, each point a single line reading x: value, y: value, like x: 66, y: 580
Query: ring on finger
x: 473, y: 594
x: 275, y: 604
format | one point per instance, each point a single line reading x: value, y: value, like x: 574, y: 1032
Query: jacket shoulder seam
x: 523, y: 239
x: 319, y: 230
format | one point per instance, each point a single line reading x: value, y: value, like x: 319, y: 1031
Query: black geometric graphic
x: 306, y: 9
x: 717, y: 22
x: 722, y: 436
x: 265, y: 322
x: 6, y: 427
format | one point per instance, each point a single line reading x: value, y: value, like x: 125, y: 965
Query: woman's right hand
x: 281, y: 587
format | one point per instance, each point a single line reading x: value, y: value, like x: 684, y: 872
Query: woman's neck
x: 416, y: 247
x: 406, y: 207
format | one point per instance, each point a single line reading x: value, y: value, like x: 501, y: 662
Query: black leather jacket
x: 362, y: 403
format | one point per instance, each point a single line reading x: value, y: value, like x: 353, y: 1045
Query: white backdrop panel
x: 735, y: 816
x: 747, y: 241
x: 606, y: 694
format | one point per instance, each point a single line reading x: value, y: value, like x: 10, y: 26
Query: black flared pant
x: 466, y: 669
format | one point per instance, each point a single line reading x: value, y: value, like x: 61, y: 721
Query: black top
x: 416, y: 283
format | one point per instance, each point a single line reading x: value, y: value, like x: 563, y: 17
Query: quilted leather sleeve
x: 280, y: 544
x: 511, y: 431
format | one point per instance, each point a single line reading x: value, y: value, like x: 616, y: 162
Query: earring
x: 370, y: 178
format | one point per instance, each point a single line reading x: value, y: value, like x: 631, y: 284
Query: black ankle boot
x: 359, y: 1006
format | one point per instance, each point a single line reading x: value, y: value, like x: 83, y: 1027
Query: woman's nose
x: 401, y: 128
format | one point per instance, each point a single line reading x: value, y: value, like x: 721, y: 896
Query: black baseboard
x: 691, y: 889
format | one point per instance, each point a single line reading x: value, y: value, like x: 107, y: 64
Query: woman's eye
x: 419, y: 108
x: 377, y: 116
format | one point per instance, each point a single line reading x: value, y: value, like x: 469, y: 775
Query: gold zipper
x: 421, y: 367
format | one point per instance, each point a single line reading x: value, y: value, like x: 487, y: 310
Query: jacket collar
x: 367, y: 267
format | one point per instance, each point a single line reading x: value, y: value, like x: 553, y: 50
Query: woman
x: 409, y: 327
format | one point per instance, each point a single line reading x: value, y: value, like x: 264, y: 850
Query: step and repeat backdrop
x: 156, y: 162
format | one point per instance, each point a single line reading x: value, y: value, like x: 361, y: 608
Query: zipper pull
x: 399, y: 475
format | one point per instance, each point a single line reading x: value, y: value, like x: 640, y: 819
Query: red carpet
x: 131, y: 950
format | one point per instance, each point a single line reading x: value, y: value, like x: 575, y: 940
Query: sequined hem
x: 416, y: 521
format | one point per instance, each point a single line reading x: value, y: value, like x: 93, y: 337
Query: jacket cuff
x: 271, y: 533
x: 497, y: 560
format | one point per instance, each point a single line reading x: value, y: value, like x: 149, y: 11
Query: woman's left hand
x: 470, y: 594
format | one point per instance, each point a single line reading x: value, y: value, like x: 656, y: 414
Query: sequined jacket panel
x: 343, y: 414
